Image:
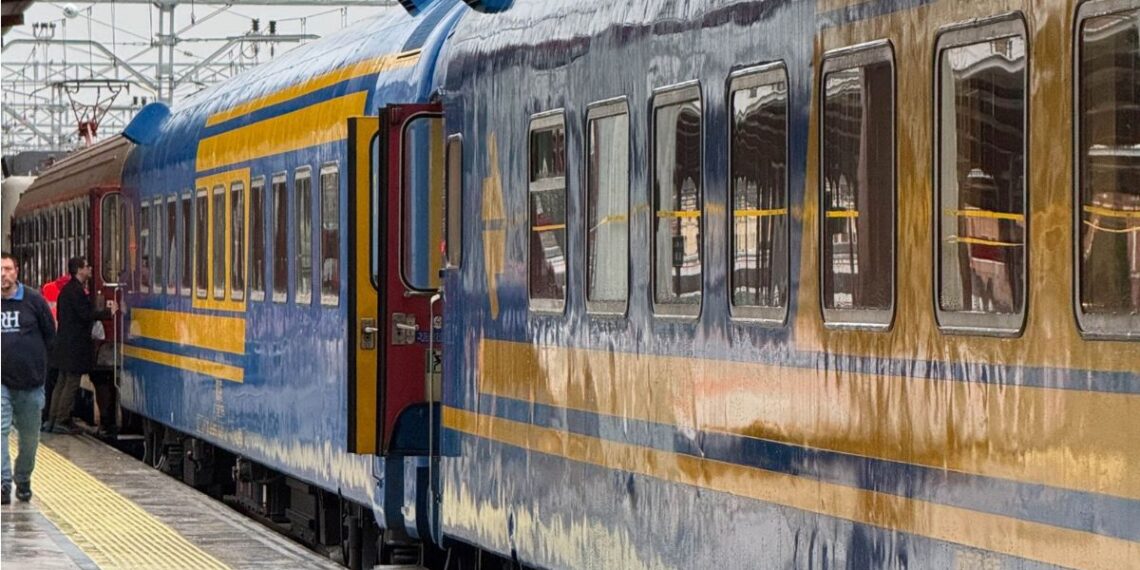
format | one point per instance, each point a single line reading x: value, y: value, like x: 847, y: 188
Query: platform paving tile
x: 31, y: 540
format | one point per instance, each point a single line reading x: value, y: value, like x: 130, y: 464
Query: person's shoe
x: 23, y: 492
x: 46, y: 427
x: 63, y: 430
x: 7, y: 497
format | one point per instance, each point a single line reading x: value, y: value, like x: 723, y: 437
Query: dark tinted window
x: 1108, y: 168
x: 280, y: 240
x: 237, y: 240
x: 547, y: 212
x: 303, y: 246
x: 257, y: 238
x: 330, y: 235
x: 857, y: 177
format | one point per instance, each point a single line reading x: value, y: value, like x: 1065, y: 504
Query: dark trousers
x: 106, y: 398
x: 63, y: 398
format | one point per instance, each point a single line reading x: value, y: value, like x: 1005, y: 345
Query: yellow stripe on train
x: 352, y: 71
x: 1026, y: 539
x: 314, y: 125
x: 223, y: 334
x: 1072, y: 439
x: 188, y: 363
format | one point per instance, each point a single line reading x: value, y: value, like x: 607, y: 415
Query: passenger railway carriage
x: 735, y: 284
x: 811, y: 284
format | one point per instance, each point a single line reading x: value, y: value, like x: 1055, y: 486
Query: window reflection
x: 1109, y: 164
x: 858, y: 188
x: 677, y: 203
x: 607, y: 206
x: 981, y: 207
x: 548, y: 211
x: 759, y: 209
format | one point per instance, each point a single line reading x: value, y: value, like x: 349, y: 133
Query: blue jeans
x: 22, y: 409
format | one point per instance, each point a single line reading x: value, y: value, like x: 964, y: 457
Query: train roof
x: 401, y: 48
x: 97, y: 166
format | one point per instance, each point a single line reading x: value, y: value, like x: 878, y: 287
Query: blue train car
x: 280, y: 346
x: 816, y: 283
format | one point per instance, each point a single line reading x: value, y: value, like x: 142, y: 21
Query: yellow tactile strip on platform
x: 113, y: 531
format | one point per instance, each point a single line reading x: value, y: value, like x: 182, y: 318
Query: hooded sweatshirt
x: 28, y: 332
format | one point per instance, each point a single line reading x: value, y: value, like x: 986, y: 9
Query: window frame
x: 453, y: 203
x: 271, y: 252
x: 327, y: 299
x: 237, y: 293
x: 957, y: 35
x: 664, y: 97
x: 755, y: 76
x: 258, y: 183
x: 301, y: 173
x: 538, y: 122
x: 186, y: 243
x: 604, y: 109
x: 171, y: 271
x: 1092, y: 326
x: 202, y: 284
x: 850, y: 57
x: 145, y: 242
x: 218, y: 290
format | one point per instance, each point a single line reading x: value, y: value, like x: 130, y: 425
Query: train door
x: 104, y: 230
x: 396, y: 215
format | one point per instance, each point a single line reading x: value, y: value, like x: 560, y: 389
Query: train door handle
x: 368, y: 332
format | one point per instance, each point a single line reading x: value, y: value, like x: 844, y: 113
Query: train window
x: 158, y: 259
x: 421, y: 204
x: 187, y: 243
x: 678, y: 201
x: 547, y: 250
x: 257, y: 239
x: 144, y: 247
x: 607, y: 207
x: 280, y: 254
x: 111, y: 250
x: 237, y: 241
x: 453, y: 238
x: 218, y: 240
x: 758, y: 155
x: 857, y: 188
x: 201, y: 242
x: 330, y: 235
x: 1107, y: 169
x: 171, y: 244
x: 980, y: 196
x: 303, y: 236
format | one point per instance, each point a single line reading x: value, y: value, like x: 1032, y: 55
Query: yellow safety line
x: 678, y: 214
x: 760, y: 213
x: 1109, y: 212
x: 548, y: 228
x: 987, y: 214
x: 980, y: 241
x: 113, y: 531
x: 842, y: 213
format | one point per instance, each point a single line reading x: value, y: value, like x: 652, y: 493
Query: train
x: 741, y: 284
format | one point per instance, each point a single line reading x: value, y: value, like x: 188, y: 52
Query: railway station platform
x: 96, y: 507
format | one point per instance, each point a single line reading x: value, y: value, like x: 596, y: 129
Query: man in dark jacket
x: 28, y: 332
x: 74, y: 353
